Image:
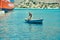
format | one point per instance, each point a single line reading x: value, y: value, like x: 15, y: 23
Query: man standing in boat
x: 30, y: 16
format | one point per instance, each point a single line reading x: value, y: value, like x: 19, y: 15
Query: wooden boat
x: 34, y: 21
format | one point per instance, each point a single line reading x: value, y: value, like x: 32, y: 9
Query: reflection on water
x: 35, y: 31
x: 31, y: 26
x: 13, y: 26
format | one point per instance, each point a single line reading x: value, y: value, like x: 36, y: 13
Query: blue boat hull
x: 6, y: 10
x: 34, y: 21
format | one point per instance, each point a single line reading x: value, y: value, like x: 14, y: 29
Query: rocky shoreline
x: 42, y: 5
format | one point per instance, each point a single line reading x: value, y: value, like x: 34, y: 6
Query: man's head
x: 29, y: 13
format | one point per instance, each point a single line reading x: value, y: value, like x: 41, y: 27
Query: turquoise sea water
x: 13, y: 27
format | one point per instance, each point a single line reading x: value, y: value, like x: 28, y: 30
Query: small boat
x: 34, y: 21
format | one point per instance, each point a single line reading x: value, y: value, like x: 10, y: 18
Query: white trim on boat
x: 2, y: 12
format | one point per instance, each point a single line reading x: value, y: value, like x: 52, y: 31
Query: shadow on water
x: 34, y: 29
x: 33, y: 25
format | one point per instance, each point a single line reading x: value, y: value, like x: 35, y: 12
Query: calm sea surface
x: 13, y: 27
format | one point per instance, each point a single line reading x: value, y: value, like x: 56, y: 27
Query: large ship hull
x: 6, y: 5
x: 6, y: 10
